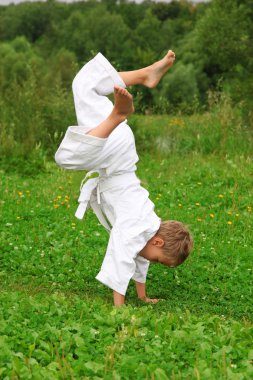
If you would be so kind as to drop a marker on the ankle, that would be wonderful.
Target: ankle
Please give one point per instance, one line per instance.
(117, 116)
(143, 75)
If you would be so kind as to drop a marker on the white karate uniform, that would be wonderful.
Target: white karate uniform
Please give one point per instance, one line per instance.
(117, 191)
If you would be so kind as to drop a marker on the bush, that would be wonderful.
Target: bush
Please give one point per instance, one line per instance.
(179, 89)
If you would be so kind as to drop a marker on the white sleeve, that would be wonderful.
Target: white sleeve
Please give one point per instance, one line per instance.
(80, 151)
(125, 242)
(141, 269)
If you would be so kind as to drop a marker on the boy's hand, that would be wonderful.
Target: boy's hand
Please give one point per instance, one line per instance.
(141, 292)
(149, 300)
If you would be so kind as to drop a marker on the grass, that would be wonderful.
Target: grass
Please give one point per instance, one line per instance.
(58, 322)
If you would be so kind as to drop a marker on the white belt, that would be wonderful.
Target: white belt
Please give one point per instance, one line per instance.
(91, 188)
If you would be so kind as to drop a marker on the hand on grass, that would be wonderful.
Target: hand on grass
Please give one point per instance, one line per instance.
(141, 292)
(150, 300)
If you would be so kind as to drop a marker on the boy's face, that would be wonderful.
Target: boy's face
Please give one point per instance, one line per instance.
(166, 261)
(153, 251)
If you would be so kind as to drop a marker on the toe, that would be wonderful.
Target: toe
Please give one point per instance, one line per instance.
(117, 89)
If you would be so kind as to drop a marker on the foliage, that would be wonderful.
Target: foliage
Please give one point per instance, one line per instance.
(53, 336)
(40, 56)
(220, 131)
(219, 33)
(57, 321)
(180, 88)
(223, 39)
(34, 104)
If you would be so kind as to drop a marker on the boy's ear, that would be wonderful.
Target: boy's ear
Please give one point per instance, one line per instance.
(157, 241)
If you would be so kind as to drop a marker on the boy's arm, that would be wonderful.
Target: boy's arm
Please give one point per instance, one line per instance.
(118, 298)
(141, 292)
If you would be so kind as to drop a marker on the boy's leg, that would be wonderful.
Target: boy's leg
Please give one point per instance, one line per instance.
(90, 87)
(98, 79)
(123, 106)
(149, 76)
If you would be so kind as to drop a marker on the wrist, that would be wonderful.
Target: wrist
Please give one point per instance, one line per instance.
(141, 290)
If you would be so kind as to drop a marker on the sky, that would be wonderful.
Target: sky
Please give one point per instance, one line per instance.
(6, 2)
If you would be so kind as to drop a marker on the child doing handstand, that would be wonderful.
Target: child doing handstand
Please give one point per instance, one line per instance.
(104, 143)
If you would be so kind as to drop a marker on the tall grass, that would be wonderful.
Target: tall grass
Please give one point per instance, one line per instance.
(220, 130)
(35, 114)
(30, 122)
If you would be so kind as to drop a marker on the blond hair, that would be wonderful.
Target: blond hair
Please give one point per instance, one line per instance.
(178, 241)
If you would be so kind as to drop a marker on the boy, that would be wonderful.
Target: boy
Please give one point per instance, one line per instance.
(104, 143)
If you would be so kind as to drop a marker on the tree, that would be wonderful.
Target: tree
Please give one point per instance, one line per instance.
(179, 86)
(74, 35)
(223, 37)
(29, 20)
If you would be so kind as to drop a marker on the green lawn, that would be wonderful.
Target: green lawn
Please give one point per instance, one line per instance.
(58, 322)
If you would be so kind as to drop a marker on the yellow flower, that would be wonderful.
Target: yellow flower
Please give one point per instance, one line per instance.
(179, 205)
(237, 214)
(199, 219)
(18, 217)
(56, 206)
(229, 222)
(229, 212)
(212, 215)
(59, 197)
(197, 204)
(249, 209)
(20, 193)
(176, 121)
(221, 196)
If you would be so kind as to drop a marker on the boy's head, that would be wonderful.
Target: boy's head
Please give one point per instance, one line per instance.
(178, 241)
(171, 245)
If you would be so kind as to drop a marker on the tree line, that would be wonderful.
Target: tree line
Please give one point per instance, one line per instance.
(43, 44)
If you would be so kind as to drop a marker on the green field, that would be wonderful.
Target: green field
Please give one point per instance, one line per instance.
(58, 322)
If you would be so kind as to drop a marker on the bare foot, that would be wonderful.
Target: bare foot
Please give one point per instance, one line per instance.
(155, 72)
(123, 102)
